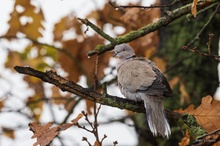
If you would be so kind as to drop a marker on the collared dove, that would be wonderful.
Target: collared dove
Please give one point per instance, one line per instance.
(140, 79)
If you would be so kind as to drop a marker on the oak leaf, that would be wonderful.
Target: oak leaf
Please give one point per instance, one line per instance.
(45, 134)
(32, 26)
(66, 23)
(207, 114)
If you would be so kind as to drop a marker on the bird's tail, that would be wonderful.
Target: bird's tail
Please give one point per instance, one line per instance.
(156, 117)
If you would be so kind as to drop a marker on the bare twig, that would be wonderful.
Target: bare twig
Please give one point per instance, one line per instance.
(204, 26)
(209, 42)
(85, 139)
(97, 29)
(209, 54)
(115, 143)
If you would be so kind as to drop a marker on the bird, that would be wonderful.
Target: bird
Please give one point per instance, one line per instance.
(139, 79)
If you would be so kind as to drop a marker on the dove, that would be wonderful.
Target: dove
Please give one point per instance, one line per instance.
(139, 79)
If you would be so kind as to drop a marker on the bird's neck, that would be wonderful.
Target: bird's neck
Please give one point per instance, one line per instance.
(133, 56)
(123, 60)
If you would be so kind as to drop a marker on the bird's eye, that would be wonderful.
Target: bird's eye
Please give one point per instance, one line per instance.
(123, 50)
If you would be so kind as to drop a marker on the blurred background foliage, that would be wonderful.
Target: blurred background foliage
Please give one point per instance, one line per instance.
(191, 76)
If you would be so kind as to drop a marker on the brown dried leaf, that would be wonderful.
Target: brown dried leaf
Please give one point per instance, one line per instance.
(193, 9)
(66, 23)
(207, 114)
(45, 134)
(136, 18)
(78, 64)
(147, 45)
(8, 132)
(74, 121)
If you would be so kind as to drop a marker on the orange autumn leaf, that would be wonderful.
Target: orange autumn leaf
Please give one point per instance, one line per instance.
(193, 9)
(207, 114)
(32, 27)
(185, 140)
(77, 63)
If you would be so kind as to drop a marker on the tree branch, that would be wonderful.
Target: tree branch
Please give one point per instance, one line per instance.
(163, 21)
(97, 29)
(104, 99)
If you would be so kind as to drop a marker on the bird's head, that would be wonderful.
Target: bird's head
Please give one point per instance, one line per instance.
(124, 51)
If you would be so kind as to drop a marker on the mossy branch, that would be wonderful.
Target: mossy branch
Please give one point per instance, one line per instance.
(161, 22)
(87, 93)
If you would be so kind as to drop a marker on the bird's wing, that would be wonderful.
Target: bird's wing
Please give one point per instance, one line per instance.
(140, 75)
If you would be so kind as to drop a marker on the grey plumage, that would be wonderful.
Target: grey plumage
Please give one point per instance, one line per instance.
(140, 79)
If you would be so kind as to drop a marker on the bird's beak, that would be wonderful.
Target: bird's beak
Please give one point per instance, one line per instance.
(115, 54)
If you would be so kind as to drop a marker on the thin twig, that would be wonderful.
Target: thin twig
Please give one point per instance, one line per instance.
(97, 29)
(204, 26)
(142, 7)
(96, 112)
(209, 42)
(85, 139)
(71, 110)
